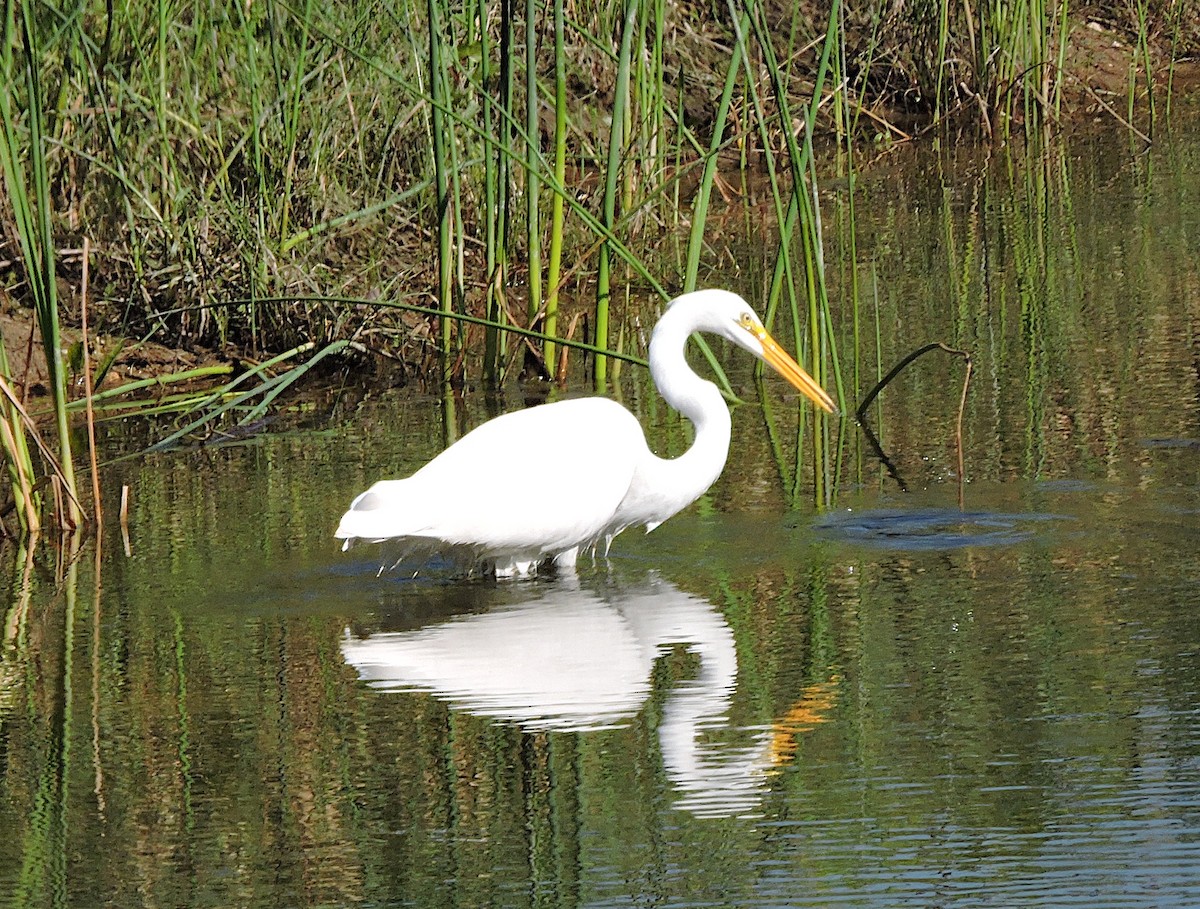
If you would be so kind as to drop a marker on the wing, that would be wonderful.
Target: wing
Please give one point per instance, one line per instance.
(531, 483)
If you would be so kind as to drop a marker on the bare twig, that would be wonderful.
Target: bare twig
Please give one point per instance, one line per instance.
(861, 413)
(560, 375)
(124, 518)
(1125, 123)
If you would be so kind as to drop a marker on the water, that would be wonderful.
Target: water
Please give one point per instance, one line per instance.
(899, 702)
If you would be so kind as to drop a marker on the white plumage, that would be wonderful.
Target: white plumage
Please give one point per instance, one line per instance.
(551, 481)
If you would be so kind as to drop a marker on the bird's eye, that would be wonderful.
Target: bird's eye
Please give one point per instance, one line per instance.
(747, 320)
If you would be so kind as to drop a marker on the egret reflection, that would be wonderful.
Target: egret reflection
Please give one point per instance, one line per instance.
(578, 659)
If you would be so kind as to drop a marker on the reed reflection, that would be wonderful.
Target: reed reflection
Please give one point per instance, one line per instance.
(577, 657)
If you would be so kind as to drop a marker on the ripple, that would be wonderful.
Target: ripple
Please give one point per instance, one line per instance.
(1171, 443)
(932, 528)
(1065, 485)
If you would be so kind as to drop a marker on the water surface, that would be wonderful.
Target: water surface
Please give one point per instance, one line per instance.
(986, 695)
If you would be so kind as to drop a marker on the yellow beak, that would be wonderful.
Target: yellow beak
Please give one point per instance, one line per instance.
(779, 360)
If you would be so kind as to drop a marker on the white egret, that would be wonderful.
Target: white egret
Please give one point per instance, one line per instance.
(548, 482)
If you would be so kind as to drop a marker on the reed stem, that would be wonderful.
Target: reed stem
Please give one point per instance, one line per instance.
(533, 228)
(441, 183)
(711, 161)
(554, 272)
(611, 181)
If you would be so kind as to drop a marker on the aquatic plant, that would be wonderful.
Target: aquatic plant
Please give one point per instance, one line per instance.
(243, 171)
(27, 181)
(258, 148)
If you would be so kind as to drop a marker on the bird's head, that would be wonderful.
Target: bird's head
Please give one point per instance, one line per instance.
(723, 313)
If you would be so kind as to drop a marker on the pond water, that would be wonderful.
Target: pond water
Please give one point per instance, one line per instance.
(975, 695)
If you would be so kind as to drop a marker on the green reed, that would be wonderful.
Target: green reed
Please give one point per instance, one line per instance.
(1175, 27)
(802, 221)
(533, 237)
(31, 205)
(695, 246)
(295, 116)
(441, 165)
(611, 179)
(493, 351)
(557, 214)
(1142, 13)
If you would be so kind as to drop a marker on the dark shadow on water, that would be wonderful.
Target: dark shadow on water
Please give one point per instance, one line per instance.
(1192, 444)
(1066, 485)
(920, 529)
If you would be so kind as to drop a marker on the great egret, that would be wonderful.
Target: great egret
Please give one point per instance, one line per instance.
(542, 484)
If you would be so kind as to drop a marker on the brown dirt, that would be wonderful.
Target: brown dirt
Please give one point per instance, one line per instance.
(136, 360)
(1098, 63)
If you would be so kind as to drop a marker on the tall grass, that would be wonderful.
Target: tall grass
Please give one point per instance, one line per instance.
(611, 179)
(441, 170)
(311, 152)
(557, 208)
(533, 183)
(207, 151)
(300, 113)
(30, 203)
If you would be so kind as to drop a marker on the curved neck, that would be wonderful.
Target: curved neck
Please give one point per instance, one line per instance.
(697, 399)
